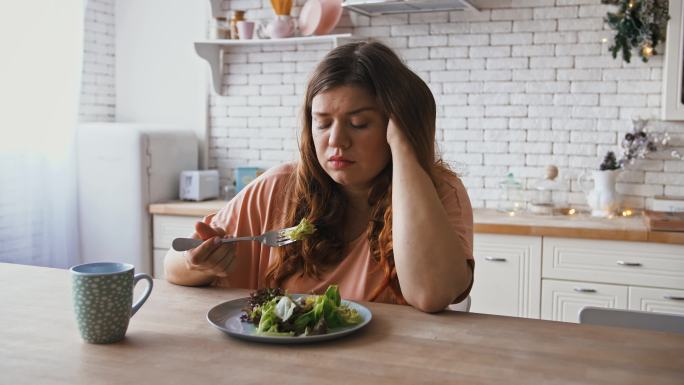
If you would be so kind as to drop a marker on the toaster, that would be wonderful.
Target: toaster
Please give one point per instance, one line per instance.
(198, 185)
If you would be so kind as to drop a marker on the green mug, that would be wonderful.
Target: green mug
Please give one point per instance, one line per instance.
(103, 294)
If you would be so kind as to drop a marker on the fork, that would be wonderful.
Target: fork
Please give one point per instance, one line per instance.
(273, 238)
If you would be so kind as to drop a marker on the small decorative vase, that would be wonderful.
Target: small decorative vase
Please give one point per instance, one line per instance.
(603, 199)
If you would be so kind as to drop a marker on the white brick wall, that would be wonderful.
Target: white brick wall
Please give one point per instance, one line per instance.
(98, 96)
(517, 89)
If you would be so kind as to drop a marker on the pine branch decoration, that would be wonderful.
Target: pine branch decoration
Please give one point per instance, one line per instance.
(639, 24)
(609, 162)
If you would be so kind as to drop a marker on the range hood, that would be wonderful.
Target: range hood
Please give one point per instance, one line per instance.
(384, 7)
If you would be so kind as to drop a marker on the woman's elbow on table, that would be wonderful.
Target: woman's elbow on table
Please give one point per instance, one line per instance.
(177, 272)
(433, 300)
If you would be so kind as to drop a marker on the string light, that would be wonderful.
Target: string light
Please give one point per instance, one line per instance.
(627, 213)
(647, 50)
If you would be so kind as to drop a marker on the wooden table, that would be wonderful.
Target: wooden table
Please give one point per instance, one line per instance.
(170, 342)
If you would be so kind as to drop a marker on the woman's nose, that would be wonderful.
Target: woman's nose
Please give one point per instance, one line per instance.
(339, 137)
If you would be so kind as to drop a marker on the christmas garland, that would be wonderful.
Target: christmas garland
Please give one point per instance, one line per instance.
(640, 24)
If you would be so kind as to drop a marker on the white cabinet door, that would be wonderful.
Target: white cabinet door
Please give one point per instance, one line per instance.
(158, 263)
(168, 227)
(563, 300)
(507, 275)
(656, 300)
(165, 228)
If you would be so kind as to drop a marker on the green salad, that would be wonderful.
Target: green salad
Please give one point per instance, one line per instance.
(276, 313)
(301, 231)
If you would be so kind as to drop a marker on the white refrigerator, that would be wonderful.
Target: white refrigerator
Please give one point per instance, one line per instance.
(122, 169)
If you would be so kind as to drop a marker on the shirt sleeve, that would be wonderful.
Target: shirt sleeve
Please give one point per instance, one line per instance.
(251, 212)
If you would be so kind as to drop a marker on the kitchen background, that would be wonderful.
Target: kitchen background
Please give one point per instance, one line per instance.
(520, 85)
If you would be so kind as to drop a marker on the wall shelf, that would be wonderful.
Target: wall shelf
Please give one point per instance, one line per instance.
(212, 50)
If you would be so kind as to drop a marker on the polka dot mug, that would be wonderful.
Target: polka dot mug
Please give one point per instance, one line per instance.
(103, 294)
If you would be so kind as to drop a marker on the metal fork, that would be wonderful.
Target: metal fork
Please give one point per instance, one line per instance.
(273, 238)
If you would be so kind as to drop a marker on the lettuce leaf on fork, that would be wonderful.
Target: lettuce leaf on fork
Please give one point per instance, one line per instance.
(301, 231)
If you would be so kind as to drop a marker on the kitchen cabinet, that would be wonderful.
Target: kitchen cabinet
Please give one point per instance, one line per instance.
(165, 229)
(616, 274)
(563, 300)
(673, 70)
(507, 275)
(656, 300)
(628, 263)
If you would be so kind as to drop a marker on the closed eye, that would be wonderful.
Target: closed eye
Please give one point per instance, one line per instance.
(322, 125)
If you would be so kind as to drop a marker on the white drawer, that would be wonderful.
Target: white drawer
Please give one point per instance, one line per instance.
(168, 227)
(563, 300)
(656, 300)
(621, 262)
(507, 275)
(158, 263)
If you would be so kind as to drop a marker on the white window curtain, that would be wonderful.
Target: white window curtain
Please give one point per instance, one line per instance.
(40, 79)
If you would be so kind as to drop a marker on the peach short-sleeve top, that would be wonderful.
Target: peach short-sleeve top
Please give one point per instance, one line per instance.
(259, 208)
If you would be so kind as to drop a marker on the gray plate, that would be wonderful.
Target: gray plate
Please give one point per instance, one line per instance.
(226, 317)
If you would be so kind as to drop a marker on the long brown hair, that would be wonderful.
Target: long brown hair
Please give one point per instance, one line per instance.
(312, 194)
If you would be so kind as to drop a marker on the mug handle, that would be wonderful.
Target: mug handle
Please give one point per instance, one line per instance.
(581, 180)
(145, 295)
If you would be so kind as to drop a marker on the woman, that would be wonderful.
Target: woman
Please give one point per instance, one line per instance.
(392, 224)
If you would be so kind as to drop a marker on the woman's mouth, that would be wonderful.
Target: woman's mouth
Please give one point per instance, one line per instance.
(339, 162)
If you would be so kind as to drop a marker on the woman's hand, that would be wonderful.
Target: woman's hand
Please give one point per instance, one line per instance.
(398, 142)
(395, 135)
(212, 256)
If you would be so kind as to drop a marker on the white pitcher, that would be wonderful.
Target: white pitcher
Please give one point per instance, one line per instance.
(603, 199)
(281, 26)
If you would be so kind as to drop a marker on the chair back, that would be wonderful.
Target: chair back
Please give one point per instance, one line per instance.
(632, 319)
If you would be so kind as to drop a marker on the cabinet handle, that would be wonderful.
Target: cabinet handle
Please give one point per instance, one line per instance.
(584, 290)
(674, 297)
(495, 259)
(630, 264)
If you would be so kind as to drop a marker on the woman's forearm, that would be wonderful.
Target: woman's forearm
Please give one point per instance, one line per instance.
(177, 271)
(430, 261)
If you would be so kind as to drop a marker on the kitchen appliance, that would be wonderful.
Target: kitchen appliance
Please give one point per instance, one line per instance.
(122, 168)
(384, 7)
(198, 185)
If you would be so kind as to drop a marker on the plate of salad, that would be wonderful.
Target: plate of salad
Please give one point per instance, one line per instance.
(274, 316)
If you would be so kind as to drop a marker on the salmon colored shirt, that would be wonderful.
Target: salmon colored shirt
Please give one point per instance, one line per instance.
(258, 208)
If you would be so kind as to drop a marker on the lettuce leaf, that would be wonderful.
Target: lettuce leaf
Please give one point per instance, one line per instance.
(301, 231)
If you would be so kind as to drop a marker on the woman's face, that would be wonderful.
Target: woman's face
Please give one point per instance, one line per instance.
(349, 133)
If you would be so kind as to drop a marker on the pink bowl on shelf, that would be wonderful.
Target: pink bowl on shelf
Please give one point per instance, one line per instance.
(319, 17)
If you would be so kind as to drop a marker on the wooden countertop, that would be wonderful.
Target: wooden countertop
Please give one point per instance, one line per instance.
(170, 342)
(491, 221)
